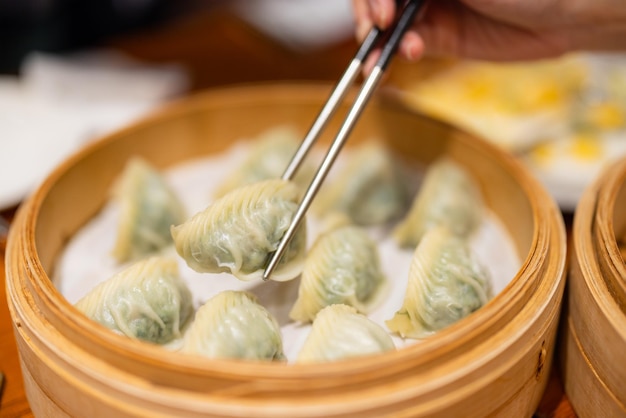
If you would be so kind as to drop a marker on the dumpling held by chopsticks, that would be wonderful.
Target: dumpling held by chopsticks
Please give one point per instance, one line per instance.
(237, 233)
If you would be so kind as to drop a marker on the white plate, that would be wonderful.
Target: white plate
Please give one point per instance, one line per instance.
(564, 118)
(37, 134)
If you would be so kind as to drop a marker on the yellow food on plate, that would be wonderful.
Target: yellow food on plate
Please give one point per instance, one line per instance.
(564, 117)
(513, 104)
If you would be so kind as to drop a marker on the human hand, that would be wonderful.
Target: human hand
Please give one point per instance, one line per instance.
(501, 30)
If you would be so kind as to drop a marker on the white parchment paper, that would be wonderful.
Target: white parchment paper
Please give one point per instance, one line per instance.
(87, 261)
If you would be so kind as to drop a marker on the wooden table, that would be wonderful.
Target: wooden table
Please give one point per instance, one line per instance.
(13, 402)
(217, 49)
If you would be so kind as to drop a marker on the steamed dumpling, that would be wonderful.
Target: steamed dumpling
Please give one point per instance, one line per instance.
(343, 266)
(233, 324)
(268, 158)
(371, 188)
(237, 233)
(147, 300)
(446, 283)
(449, 196)
(340, 332)
(148, 208)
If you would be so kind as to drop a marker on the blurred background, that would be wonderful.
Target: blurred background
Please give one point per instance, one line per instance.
(71, 71)
(60, 26)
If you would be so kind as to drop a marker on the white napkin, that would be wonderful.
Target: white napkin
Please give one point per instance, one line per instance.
(59, 103)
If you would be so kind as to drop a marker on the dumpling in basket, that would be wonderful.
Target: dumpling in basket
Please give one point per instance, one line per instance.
(148, 208)
(233, 324)
(268, 158)
(371, 188)
(236, 233)
(446, 283)
(148, 301)
(340, 332)
(343, 266)
(449, 196)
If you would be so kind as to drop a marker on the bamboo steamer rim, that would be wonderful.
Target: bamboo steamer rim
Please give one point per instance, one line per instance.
(595, 325)
(595, 243)
(546, 236)
(613, 185)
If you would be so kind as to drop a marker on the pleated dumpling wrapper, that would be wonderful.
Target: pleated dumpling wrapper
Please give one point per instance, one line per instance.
(449, 195)
(232, 324)
(446, 283)
(371, 188)
(236, 233)
(343, 266)
(148, 208)
(148, 301)
(340, 332)
(268, 158)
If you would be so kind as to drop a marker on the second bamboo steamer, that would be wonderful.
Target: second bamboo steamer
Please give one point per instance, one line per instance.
(594, 323)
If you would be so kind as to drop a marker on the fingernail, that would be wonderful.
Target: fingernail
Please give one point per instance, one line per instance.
(411, 51)
(411, 46)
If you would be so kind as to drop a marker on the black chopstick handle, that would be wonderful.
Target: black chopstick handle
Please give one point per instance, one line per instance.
(368, 43)
(404, 21)
(373, 36)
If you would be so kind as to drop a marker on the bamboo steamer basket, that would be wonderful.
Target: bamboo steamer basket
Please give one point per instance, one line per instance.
(495, 362)
(594, 326)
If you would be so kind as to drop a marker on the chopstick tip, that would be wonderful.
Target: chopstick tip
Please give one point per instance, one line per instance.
(269, 268)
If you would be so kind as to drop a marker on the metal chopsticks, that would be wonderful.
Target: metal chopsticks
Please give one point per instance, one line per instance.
(393, 36)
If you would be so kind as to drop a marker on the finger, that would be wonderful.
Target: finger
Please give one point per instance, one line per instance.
(382, 12)
(411, 46)
(441, 28)
(363, 20)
